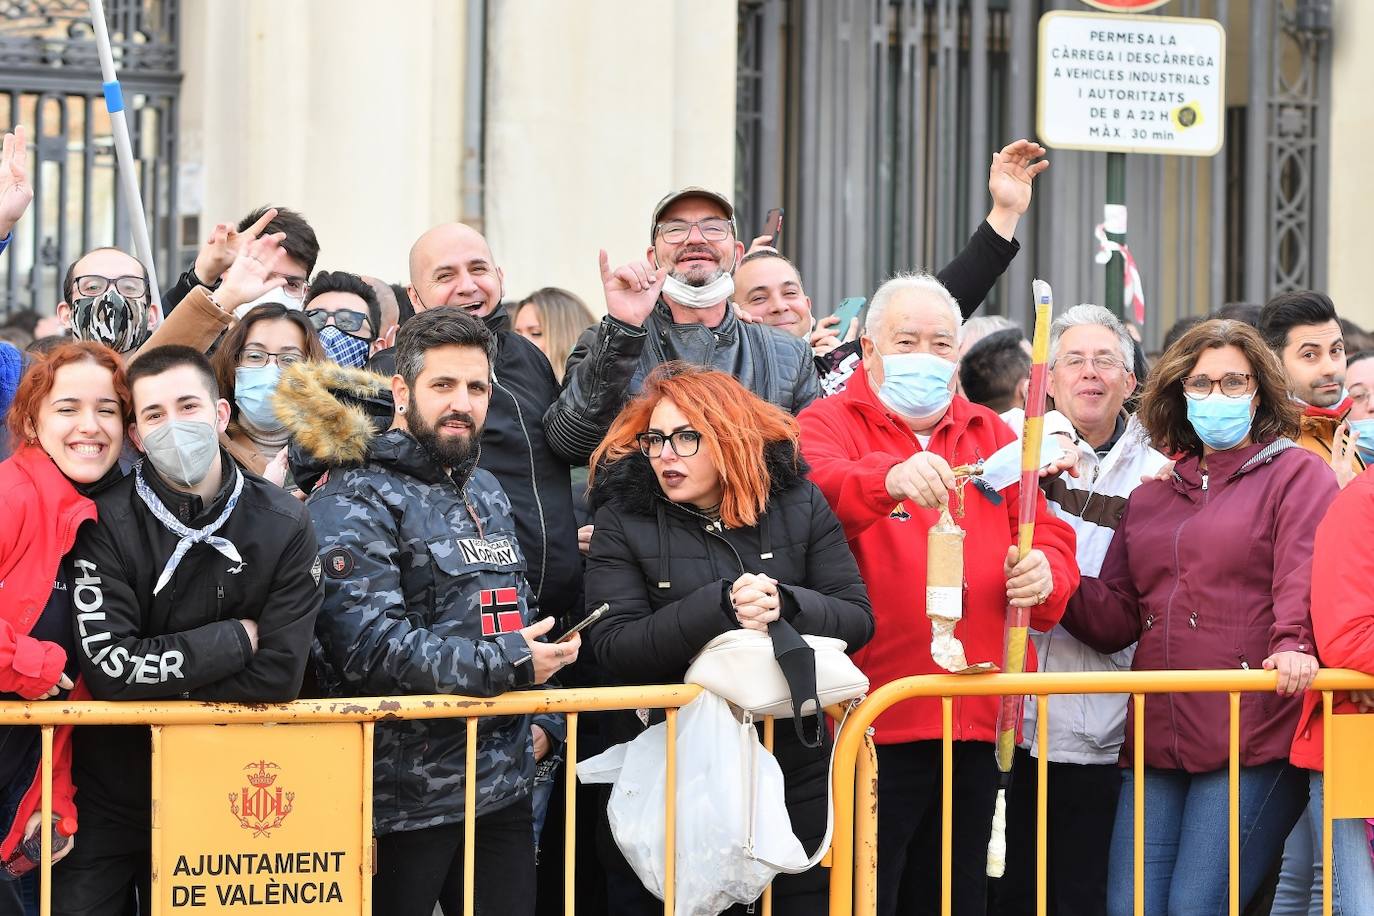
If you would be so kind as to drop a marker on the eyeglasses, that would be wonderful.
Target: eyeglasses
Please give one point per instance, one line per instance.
(1075, 362)
(345, 320)
(713, 229)
(1232, 384)
(294, 285)
(685, 443)
(256, 359)
(95, 285)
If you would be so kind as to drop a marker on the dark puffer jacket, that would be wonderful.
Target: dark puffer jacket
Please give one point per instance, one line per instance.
(652, 631)
(424, 592)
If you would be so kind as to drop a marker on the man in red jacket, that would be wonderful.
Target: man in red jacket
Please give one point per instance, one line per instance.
(882, 452)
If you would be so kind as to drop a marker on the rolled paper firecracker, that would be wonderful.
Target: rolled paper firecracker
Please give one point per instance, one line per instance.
(1018, 619)
(945, 590)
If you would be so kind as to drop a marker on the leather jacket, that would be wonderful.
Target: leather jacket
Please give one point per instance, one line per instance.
(610, 362)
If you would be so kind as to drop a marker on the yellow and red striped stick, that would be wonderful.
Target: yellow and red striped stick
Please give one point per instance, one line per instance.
(1018, 618)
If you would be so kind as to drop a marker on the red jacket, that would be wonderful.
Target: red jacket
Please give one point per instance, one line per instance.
(1342, 606)
(1212, 574)
(851, 441)
(40, 512)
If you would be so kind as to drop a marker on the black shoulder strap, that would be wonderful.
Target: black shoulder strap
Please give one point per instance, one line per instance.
(798, 663)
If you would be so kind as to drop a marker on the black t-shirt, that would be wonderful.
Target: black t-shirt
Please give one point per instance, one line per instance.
(19, 743)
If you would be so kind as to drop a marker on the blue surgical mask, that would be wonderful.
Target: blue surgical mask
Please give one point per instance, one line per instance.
(1365, 444)
(1219, 421)
(253, 390)
(343, 348)
(916, 385)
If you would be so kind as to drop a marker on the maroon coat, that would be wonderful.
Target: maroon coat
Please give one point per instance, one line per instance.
(1212, 572)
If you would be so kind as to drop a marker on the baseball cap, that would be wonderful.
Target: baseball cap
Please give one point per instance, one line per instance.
(691, 191)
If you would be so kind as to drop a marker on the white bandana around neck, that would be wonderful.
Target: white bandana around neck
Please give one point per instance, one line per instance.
(189, 536)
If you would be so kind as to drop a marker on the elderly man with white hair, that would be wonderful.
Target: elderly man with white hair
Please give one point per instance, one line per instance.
(1091, 359)
(882, 451)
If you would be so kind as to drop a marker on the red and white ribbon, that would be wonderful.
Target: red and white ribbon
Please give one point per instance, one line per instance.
(1132, 291)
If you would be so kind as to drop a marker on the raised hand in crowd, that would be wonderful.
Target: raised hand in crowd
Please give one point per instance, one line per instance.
(760, 243)
(1343, 455)
(222, 247)
(252, 273)
(1010, 176)
(549, 657)
(1296, 671)
(755, 600)
(826, 337)
(925, 478)
(631, 290)
(1029, 581)
(15, 191)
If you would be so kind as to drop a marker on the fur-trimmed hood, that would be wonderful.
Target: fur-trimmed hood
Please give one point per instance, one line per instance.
(631, 486)
(333, 412)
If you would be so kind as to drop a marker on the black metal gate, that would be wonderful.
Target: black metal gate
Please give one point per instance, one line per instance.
(50, 82)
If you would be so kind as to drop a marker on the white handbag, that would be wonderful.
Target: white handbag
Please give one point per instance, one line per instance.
(746, 667)
(789, 676)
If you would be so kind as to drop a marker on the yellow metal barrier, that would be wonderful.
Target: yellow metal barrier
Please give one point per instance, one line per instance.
(853, 856)
(854, 861)
(366, 712)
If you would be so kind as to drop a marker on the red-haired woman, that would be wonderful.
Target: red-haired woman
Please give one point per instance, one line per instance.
(67, 424)
(705, 523)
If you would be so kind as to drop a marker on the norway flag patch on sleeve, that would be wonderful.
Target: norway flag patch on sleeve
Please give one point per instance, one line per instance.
(500, 611)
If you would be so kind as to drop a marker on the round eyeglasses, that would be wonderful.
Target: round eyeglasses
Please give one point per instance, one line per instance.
(1232, 384)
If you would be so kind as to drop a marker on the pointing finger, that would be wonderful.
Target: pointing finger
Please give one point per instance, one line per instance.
(255, 230)
(605, 264)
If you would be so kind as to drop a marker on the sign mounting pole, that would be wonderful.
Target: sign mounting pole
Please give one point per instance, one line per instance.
(1116, 195)
(1122, 84)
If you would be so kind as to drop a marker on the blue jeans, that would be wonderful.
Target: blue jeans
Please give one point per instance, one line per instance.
(1300, 880)
(1187, 836)
(1352, 869)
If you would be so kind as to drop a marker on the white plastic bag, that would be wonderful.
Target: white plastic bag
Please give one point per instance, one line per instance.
(715, 756)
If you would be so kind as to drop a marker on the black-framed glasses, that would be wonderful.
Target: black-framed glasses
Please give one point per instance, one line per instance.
(685, 443)
(1232, 384)
(1075, 362)
(345, 320)
(256, 359)
(93, 285)
(713, 229)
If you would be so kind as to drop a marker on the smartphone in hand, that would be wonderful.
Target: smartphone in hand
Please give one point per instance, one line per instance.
(585, 622)
(772, 225)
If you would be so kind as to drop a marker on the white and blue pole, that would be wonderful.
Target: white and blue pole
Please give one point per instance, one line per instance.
(124, 152)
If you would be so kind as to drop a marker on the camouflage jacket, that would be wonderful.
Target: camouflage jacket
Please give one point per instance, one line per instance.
(424, 592)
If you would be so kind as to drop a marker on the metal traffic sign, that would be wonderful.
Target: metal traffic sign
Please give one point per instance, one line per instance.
(1131, 84)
